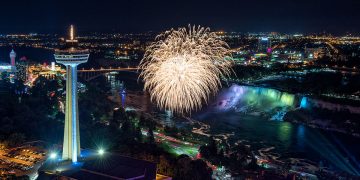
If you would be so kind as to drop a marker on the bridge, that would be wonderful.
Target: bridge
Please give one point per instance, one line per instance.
(90, 74)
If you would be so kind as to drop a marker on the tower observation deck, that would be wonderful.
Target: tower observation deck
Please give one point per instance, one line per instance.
(71, 57)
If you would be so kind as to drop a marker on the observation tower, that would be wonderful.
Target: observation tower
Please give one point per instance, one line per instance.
(12, 58)
(71, 57)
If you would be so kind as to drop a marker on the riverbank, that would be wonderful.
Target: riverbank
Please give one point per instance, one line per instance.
(341, 122)
(329, 113)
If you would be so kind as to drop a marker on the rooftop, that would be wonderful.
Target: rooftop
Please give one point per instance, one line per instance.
(105, 166)
(72, 50)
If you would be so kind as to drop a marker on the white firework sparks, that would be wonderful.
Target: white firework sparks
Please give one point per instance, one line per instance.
(183, 68)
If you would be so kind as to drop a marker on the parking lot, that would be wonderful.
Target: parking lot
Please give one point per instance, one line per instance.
(20, 161)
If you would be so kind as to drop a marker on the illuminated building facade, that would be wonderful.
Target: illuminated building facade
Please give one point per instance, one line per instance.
(22, 69)
(71, 57)
(315, 53)
(264, 45)
(5, 68)
(9, 69)
(12, 58)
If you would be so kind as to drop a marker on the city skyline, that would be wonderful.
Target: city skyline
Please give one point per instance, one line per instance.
(180, 89)
(142, 16)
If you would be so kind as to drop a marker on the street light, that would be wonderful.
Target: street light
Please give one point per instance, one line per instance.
(53, 155)
(101, 151)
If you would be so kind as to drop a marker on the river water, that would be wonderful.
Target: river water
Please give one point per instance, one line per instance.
(253, 115)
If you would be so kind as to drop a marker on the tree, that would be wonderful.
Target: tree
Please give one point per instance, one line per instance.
(171, 131)
(191, 169)
(151, 138)
(204, 151)
(138, 134)
(212, 147)
(165, 166)
(209, 151)
(221, 152)
(119, 116)
(200, 170)
(182, 167)
(3, 75)
(7, 125)
(16, 139)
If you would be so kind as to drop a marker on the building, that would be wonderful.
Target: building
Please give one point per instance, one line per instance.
(22, 69)
(264, 45)
(9, 69)
(71, 57)
(12, 58)
(315, 51)
(4, 67)
(96, 165)
(287, 56)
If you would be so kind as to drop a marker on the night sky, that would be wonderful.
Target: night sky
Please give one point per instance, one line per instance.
(289, 16)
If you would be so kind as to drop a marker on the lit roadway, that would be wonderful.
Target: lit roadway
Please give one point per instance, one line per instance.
(179, 147)
(109, 69)
(174, 145)
(49, 71)
(92, 73)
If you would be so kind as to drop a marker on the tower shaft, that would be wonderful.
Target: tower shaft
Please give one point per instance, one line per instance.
(71, 57)
(12, 61)
(71, 146)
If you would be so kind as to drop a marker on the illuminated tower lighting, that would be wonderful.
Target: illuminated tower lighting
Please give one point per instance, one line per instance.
(12, 57)
(71, 57)
(52, 66)
(71, 32)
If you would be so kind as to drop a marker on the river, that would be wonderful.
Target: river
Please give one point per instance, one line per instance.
(253, 115)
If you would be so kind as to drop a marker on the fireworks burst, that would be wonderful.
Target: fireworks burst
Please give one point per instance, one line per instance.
(183, 68)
